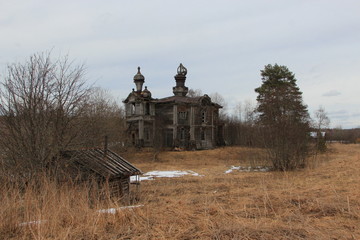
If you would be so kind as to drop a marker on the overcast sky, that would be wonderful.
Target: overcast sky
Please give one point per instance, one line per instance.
(224, 44)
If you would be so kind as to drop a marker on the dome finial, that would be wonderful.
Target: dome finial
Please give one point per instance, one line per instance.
(181, 70)
(180, 89)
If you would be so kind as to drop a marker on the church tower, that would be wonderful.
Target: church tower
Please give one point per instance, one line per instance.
(180, 77)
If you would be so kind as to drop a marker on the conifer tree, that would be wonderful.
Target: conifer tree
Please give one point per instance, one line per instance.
(283, 118)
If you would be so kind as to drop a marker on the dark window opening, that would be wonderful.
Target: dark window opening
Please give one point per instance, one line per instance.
(203, 117)
(147, 134)
(147, 109)
(202, 135)
(183, 115)
(168, 140)
(182, 134)
(133, 139)
(132, 106)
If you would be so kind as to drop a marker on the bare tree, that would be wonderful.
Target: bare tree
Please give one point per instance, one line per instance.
(217, 98)
(320, 123)
(41, 101)
(240, 127)
(102, 116)
(194, 93)
(321, 120)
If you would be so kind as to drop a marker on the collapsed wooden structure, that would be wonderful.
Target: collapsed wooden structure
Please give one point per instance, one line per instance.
(104, 166)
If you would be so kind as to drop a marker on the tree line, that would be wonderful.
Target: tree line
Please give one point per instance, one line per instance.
(47, 106)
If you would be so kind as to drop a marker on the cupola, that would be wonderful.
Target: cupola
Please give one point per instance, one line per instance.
(146, 93)
(180, 89)
(139, 80)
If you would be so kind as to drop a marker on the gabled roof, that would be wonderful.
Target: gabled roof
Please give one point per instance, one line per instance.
(105, 163)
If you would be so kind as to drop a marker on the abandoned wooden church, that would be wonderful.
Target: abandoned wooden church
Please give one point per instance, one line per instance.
(178, 121)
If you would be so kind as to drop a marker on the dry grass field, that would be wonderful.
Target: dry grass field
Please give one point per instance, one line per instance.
(319, 202)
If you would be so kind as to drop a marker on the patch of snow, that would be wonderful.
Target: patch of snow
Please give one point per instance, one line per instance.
(114, 210)
(232, 169)
(161, 174)
(140, 178)
(32, 223)
(194, 173)
(169, 174)
(248, 169)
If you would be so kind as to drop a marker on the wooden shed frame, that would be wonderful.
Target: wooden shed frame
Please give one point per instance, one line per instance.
(105, 166)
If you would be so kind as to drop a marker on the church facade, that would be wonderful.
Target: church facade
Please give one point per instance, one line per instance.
(177, 121)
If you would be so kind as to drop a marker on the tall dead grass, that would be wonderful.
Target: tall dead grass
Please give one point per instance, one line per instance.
(322, 202)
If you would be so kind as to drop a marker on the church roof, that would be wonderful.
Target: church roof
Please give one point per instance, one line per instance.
(184, 99)
(178, 99)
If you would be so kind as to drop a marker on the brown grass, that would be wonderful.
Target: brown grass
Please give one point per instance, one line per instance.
(320, 202)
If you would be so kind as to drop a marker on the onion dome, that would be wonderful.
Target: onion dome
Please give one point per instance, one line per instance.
(139, 76)
(139, 80)
(146, 93)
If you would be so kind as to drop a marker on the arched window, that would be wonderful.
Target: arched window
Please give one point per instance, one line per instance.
(132, 107)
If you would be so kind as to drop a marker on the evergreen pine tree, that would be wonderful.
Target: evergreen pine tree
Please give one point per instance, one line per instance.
(283, 118)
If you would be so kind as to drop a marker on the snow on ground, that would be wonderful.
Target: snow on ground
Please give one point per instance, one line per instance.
(248, 169)
(161, 174)
(32, 223)
(170, 174)
(110, 210)
(114, 210)
(138, 178)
